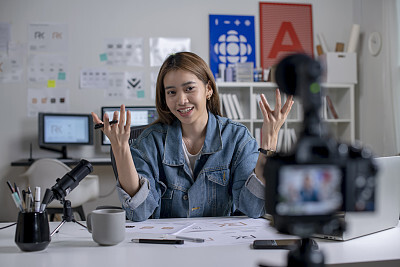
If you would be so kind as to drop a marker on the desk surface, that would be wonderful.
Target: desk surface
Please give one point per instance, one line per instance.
(69, 162)
(74, 246)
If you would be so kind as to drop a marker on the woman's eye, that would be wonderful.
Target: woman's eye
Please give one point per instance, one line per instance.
(170, 92)
(190, 88)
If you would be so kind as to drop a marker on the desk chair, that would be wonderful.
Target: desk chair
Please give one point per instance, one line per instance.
(44, 172)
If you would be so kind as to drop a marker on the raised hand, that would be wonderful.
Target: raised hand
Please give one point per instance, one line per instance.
(118, 133)
(273, 119)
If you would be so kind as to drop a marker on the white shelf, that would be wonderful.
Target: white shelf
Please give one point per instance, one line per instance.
(342, 96)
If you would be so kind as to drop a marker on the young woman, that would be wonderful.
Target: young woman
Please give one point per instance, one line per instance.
(192, 162)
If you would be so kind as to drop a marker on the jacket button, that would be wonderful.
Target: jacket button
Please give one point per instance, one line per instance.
(185, 197)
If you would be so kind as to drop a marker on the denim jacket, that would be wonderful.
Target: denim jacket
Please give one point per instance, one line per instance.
(223, 176)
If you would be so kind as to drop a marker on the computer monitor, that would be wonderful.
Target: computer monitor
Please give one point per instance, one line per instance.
(64, 129)
(139, 116)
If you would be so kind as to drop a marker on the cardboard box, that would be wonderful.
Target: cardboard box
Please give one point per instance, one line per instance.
(339, 67)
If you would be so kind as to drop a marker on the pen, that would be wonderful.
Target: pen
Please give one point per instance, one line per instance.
(101, 125)
(10, 186)
(158, 241)
(28, 200)
(191, 239)
(19, 195)
(16, 189)
(15, 197)
(37, 199)
(17, 201)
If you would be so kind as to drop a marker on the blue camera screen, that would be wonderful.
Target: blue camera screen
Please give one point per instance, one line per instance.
(309, 190)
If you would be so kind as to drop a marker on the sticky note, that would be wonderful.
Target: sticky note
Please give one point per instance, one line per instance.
(140, 94)
(61, 76)
(51, 83)
(103, 57)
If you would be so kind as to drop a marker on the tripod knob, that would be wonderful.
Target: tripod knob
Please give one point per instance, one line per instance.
(68, 216)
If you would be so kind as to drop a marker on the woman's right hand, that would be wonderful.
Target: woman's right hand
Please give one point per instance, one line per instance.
(118, 133)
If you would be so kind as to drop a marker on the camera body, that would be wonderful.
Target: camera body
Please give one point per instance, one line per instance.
(308, 186)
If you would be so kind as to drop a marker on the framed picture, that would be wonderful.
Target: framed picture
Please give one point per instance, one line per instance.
(284, 29)
(232, 40)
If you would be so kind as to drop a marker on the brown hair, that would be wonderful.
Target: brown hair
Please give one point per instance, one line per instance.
(191, 62)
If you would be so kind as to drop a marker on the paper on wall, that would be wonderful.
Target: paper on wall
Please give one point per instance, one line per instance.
(153, 84)
(5, 36)
(125, 85)
(161, 48)
(11, 64)
(94, 78)
(44, 67)
(45, 37)
(124, 51)
(47, 100)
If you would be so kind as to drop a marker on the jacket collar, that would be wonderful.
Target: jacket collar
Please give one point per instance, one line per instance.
(173, 152)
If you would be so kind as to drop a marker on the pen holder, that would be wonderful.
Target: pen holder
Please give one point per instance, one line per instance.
(33, 232)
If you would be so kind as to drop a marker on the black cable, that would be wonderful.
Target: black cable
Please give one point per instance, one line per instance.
(1, 228)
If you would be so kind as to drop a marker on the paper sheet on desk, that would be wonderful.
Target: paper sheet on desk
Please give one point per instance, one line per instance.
(215, 231)
(158, 227)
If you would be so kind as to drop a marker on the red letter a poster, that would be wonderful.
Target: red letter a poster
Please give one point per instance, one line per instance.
(284, 29)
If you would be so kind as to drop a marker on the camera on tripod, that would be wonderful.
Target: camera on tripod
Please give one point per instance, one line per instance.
(308, 186)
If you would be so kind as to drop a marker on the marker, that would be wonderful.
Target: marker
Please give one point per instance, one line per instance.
(158, 241)
(47, 198)
(37, 199)
(101, 125)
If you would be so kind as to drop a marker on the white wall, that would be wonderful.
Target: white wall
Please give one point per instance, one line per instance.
(375, 121)
(89, 23)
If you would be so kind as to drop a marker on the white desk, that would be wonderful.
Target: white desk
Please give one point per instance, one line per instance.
(73, 246)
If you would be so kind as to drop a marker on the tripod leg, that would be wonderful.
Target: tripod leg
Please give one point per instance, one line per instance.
(58, 227)
(75, 221)
(305, 256)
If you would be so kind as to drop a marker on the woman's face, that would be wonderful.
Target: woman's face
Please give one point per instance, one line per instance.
(186, 96)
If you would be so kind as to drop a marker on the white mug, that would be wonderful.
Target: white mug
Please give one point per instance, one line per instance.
(107, 226)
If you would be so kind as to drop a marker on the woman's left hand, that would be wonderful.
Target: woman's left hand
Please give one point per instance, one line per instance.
(273, 119)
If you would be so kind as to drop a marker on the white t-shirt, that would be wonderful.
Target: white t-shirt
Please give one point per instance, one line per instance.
(190, 159)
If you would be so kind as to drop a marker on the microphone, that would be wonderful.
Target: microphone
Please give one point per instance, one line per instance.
(67, 183)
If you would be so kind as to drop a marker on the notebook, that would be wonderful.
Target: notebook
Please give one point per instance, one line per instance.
(387, 201)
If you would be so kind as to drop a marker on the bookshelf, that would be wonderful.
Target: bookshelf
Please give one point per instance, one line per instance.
(341, 95)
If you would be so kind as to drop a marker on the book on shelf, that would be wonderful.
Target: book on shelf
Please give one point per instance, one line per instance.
(293, 136)
(221, 104)
(257, 136)
(232, 106)
(331, 107)
(256, 98)
(237, 106)
(227, 108)
(287, 138)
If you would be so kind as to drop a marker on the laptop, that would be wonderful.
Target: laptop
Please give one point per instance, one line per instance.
(387, 200)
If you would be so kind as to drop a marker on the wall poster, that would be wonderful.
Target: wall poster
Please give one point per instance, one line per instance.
(284, 29)
(232, 40)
